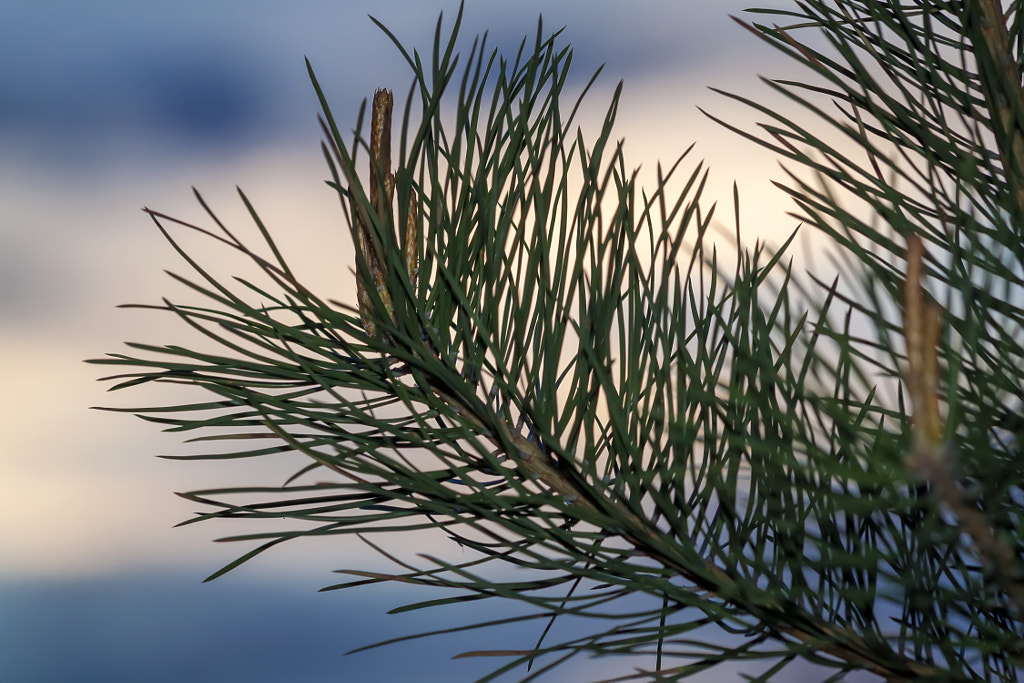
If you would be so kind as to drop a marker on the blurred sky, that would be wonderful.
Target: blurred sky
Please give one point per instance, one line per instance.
(107, 106)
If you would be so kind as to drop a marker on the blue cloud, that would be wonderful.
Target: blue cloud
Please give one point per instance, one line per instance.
(205, 98)
(88, 100)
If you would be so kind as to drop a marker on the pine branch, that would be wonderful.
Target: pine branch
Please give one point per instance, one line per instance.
(1000, 77)
(560, 372)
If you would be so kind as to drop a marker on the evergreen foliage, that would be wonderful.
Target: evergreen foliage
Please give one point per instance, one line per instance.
(557, 369)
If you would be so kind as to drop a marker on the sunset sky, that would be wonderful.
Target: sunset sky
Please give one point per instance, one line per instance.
(106, 107)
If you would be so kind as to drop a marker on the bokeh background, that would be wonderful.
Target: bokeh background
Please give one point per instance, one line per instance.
(109, 106)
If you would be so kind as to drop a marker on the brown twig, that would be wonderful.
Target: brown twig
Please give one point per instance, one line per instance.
(382, 189)
(931, 459)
